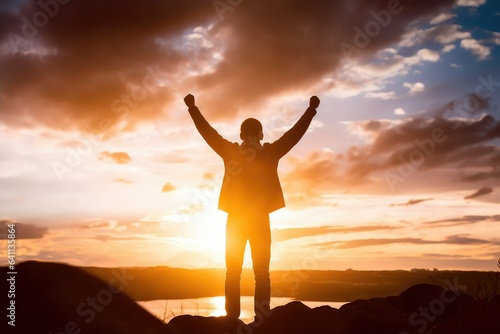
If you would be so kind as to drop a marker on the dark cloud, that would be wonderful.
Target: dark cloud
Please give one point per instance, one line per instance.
(287, 45)
(481, 176)
(465, 220)
(117, 157)
(95, 63)
(95, 53)
(439, 140)
(455, 147)
(426, 144)
(481, 192)
(452, 240)
(279, 235)
(413, 202)
(23, 231)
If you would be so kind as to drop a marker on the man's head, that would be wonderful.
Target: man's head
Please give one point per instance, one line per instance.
(251, 129)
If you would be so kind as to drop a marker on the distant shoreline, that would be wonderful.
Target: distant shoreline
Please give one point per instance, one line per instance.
(310, 285)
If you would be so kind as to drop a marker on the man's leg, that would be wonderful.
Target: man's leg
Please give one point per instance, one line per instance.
(235, 250)
(260, 244)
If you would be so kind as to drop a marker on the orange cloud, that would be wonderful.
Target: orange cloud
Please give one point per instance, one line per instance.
(122, 180)
(481, 192)
(117, 157)
(168, 187)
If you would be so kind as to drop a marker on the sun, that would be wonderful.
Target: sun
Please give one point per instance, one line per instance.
(210, 234)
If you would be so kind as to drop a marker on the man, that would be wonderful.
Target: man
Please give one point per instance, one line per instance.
(250, 191)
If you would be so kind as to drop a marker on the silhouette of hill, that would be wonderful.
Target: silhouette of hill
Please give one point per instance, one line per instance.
(58, 298)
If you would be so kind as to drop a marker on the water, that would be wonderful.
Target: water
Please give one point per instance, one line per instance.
(213, 307)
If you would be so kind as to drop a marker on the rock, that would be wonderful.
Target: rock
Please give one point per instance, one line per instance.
(376, 315)
(58, 298)
(295, 317)
(189, 324)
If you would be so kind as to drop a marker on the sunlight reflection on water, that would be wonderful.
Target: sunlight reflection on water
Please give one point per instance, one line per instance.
(213, 307)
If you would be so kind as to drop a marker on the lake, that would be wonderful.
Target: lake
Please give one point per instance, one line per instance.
(214, 307)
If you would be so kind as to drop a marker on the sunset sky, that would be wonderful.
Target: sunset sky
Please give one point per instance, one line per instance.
(100, 163)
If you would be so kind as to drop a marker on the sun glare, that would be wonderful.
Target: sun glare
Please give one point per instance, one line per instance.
(218, 306)
(211, 233)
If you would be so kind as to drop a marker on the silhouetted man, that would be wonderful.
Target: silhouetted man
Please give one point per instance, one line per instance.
(250, 191)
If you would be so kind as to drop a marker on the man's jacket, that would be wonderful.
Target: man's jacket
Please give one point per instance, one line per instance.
(251, 182)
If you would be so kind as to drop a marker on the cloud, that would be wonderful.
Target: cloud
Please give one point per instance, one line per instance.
(94, 70)
(452, 140)
(107, 237)
(481, 192)
(117, 157)
(374, 77)
(481, 176)
(208, 176)
(23, 231)
(414, 87)
(463, 141)
(168, 187)
(465, 220)
(451, 240)
(496, 37)
(81, 75)
(412, 202)
(442, 18)
(311, 174)
(441, 34)
(471, 3)
(103, 224)
(399, 111)
(478, 49)
(381, 95)
(307, 28)
(122, 180)
(448, 48)
(280, 235)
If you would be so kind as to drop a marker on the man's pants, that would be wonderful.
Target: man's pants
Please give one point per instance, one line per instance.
(255, 229)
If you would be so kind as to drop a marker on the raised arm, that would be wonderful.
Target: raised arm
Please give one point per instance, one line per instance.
(292, 136)
(211, 136)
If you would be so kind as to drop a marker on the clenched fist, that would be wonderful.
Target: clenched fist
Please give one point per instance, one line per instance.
(189, 100)
(314, 102)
